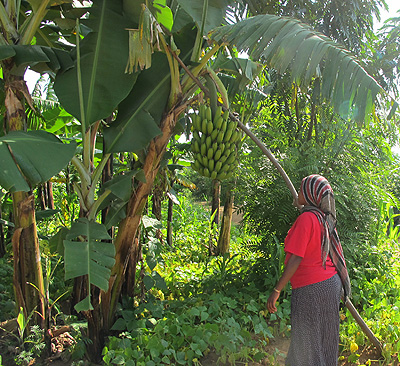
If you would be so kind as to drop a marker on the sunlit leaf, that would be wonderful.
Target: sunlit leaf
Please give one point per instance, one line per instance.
(288, 45)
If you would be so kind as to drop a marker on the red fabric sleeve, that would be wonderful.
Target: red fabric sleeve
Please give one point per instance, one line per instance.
(300, 234)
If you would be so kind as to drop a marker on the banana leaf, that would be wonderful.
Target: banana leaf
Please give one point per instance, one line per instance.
(288, 45)
(30, 158)
(89, 255)
(103, 58)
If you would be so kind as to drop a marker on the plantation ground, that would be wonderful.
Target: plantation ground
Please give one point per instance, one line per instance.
(277, 349)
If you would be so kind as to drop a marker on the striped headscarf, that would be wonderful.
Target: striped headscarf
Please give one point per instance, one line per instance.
(319, 196)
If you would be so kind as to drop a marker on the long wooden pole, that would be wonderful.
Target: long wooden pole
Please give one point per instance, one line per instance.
(274, 161)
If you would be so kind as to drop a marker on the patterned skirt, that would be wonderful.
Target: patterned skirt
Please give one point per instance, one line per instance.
(315, 324)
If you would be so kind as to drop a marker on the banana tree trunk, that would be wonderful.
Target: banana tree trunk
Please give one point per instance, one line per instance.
(215, 203)
(2, 242)
(169, 221)
(225, 232)
(28, 276)
(104, 312)
(50, 196)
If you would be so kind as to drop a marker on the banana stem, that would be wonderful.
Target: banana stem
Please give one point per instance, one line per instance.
(7, 24)
(186, 84)
(34, 23)
(175, 85)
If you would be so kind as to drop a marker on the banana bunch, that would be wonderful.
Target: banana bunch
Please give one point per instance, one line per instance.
(214, 144)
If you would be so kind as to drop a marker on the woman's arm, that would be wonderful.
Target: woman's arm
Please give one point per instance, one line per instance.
(291, 267)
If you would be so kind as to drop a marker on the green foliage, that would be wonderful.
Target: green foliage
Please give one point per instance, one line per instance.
(378, 294)
(287, 44)
(32, 348)
(181, 332)
(7, 305)
(89, 256)
(36, 157)
(210, 304)
(99, 73)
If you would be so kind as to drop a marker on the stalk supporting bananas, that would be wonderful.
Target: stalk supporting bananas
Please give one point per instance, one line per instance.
(215, 143)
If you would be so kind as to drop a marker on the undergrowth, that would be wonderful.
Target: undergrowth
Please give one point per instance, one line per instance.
(219, 303)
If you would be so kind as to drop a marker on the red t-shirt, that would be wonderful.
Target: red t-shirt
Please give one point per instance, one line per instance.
(304, 240)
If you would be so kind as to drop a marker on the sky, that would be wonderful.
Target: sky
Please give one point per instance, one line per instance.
(393, 5)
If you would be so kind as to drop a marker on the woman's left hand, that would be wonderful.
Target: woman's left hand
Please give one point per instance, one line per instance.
(271, 302)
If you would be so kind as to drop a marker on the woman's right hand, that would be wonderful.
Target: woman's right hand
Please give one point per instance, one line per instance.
(271, 302)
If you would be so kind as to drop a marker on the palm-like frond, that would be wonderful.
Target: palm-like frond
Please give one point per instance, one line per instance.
(288, 45)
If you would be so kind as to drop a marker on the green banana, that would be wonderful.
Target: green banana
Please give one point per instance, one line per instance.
(231, 158)
(226, 167)
(214, 134)
(220, 136)
(208, 113)
(203, 149)
(204, 126)
(203, 113)
(221, 176)
(213, 175)
(228, 134)
(217, 154)
(210, 127)
(197, 165)
(196, 136)
(224, 125)
(218, 121)
(218, 113)
(210, 153)
(211, 165)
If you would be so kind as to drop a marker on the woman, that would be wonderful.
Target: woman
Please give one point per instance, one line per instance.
(317, 271)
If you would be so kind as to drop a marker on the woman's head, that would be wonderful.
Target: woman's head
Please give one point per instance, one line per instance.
(317, 192)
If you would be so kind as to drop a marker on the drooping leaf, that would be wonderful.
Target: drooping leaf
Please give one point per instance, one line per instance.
(139, 115)
(35, 4)
(115, 214)
(89, 256)
(288, 45)
(150, 222)
(104, 54)
(215, 12)
(27, 55)
(56, 119)
(56, 242)
(6, 51)
(163, 14)
(45, 214)
(31, 157)
(121, 185)
(57, 59)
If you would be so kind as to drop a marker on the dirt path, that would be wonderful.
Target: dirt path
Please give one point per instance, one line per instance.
(279, 347)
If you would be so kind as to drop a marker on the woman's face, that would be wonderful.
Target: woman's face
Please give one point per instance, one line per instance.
(301, 199)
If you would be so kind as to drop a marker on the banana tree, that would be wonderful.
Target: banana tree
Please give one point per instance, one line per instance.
(23, 25)
(120, 36)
